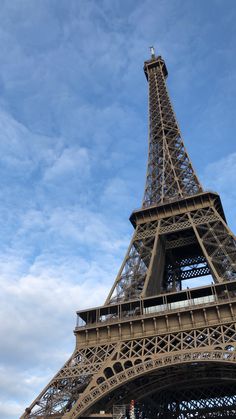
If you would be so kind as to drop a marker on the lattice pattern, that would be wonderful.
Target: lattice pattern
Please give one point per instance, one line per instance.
(138, 356)
(146, 230)
(133, 371)
(184, 268)
(219, 336)
(113, 364)
(119, 412)
(220, 245)
(217, 257)
(131, 278)
(204, 402)
(180, 242)
(182, 221)
(61, 393)
(170, 174)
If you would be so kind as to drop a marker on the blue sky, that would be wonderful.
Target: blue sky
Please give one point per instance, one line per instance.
(73, 147)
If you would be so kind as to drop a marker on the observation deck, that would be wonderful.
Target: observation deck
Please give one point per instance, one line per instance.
(155, 62)
(177, 206)
(191, 307)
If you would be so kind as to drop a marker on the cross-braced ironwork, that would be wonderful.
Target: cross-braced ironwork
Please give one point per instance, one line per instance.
(170, 174)
(171, 350)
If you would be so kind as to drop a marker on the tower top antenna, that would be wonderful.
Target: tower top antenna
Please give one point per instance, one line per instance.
(152, 49)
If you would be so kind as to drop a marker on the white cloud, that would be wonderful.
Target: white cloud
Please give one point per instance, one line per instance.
(41, 289)
(220, 176)
(119, 191)
(18, 383)
(37, 317)
(86, 228)
(10, 409)
(71, 162)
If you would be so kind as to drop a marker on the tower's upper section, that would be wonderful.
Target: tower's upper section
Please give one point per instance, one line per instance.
(170, 174)
(155, 62)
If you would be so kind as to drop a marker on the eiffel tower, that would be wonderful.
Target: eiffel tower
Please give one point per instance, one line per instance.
(168, 348)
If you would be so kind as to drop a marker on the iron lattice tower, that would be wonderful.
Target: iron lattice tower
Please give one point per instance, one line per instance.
(170, 349)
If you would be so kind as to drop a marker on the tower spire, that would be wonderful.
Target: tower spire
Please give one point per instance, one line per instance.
(170, 174)
(152, 49)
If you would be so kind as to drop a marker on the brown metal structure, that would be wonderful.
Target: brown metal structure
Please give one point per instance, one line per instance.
(171, 349)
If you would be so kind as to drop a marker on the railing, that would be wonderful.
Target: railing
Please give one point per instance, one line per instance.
(151, 310)
(163, 303)
(180, 304)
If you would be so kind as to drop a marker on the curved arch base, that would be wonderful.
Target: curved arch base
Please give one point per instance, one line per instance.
(108, 389)
(183, 391)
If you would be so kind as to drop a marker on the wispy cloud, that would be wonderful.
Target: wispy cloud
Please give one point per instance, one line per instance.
(220, 176)
(70, 163)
